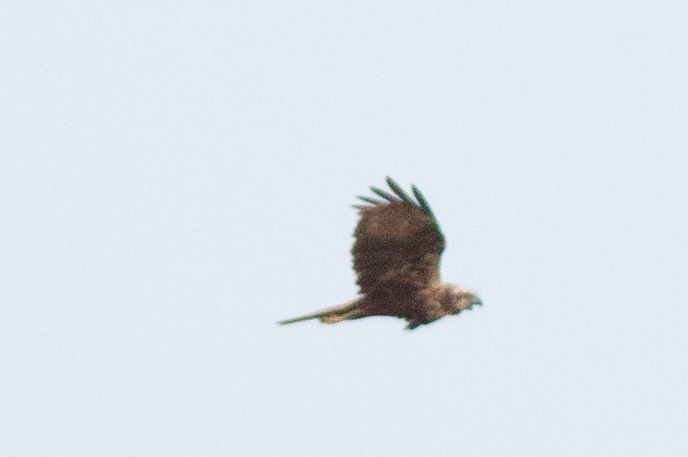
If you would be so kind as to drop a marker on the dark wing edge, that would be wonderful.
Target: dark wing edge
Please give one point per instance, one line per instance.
(387, 196)
(422, 202)
(400, 195)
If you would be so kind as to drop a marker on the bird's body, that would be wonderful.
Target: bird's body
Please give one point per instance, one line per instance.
(396, 255)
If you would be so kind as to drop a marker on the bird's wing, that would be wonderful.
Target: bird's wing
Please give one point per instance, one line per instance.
(397, 240)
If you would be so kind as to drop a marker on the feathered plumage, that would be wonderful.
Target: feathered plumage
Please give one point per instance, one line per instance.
(396, 254)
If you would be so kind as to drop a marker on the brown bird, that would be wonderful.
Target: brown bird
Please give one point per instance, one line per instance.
(396, 254)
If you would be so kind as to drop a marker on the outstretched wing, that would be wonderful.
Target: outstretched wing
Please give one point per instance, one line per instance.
(397, 240)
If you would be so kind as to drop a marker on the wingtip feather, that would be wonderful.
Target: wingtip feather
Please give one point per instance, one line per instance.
(386, 195)
(421, 200)
(372, 201)
(399, 191)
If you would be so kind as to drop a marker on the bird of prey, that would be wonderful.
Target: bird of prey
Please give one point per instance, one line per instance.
(396, 254)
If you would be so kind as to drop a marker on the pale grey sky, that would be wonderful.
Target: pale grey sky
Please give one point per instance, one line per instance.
(176, 177)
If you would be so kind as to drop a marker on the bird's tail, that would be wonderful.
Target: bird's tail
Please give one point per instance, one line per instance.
(351, 310)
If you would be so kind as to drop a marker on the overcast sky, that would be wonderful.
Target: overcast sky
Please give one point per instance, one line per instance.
(175, 177)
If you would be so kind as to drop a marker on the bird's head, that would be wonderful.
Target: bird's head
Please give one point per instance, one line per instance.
(464, 298)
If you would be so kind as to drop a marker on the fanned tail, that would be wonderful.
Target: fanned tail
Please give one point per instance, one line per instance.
(331, 315)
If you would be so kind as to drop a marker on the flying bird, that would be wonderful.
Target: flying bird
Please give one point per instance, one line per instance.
(396, 255)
